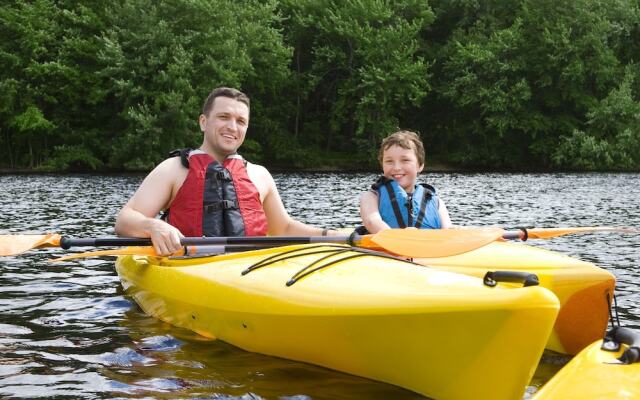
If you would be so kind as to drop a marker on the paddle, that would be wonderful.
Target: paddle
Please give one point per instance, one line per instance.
(409, 244)
(546, 233)
(404, 242)
(200, 251)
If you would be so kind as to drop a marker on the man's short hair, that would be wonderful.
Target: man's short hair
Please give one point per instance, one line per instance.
(224, 92)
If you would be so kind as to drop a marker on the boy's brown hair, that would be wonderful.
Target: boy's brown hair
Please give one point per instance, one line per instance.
(407, 140)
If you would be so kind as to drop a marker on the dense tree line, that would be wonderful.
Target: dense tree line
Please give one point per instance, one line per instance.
(522, 84)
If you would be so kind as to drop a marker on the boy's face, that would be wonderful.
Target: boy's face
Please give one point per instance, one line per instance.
(401, 165)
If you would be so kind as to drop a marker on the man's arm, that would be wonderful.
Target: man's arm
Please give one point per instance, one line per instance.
(137, 218)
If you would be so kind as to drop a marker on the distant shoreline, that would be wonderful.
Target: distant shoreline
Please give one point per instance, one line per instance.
(432, 167)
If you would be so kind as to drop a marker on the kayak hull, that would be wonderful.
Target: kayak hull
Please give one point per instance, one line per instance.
(584, 290)
(440, 334)
(594, 374)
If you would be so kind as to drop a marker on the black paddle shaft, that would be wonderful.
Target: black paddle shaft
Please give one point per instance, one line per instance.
(67, 243)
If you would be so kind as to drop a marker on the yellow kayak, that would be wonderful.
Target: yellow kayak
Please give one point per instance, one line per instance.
(440, 334)
(599, 374)
(584, 290)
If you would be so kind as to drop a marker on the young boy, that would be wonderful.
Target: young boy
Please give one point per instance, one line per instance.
(396, 200)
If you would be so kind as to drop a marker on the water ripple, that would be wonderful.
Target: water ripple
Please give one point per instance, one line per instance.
(66, 329)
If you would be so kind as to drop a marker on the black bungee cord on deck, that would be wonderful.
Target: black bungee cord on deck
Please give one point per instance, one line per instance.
(613, 306)
(334, 250)
(360, 253)
(285, 255)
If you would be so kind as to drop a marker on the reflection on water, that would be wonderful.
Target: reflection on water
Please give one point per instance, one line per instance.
(67, 330)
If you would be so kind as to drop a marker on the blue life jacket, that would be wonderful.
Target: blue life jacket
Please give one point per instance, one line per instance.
(400, 209)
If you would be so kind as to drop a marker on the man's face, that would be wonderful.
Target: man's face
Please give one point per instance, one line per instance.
(225, 127)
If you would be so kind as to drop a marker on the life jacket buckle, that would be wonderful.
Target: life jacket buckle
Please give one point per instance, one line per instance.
(223, 175)
(220, 205)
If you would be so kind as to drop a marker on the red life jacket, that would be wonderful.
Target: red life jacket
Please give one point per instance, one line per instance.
(217, 199)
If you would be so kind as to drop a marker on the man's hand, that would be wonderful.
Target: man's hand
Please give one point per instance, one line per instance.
(165, 237)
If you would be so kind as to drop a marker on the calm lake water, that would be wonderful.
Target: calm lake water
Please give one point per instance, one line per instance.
(68, 331)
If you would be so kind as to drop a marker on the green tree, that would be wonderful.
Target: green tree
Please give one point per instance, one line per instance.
(47, 84)
(162, 60)
(611, 138)
(524, 84)
(28, 32)
(88, 84)
(521, 76)
(358, 67)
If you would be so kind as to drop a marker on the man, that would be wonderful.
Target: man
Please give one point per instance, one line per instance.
(181, 186)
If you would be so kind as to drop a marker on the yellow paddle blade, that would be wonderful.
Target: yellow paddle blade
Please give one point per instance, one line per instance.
(433, 243)
(129, 251)
(545, 233)
(11, 245)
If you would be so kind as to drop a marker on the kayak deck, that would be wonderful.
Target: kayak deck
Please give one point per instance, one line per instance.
(585, 291)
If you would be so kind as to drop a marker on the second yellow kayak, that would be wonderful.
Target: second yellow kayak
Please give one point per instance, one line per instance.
(598, 374)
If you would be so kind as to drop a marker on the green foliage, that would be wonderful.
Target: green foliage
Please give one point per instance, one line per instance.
(31, 121)
(544, 84)
(72, 159)
(126, 80)
(162, 59)
(47, 55)
(525, 73)
(361, 66)
(252, 150)
(285, 154)
(612, 137)
(583, 152)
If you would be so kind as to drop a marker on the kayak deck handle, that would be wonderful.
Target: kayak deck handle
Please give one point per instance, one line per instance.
(491, 278)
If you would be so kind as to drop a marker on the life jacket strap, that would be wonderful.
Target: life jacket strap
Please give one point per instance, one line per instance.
(183, 154)
(394, 204)
(426, 197)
